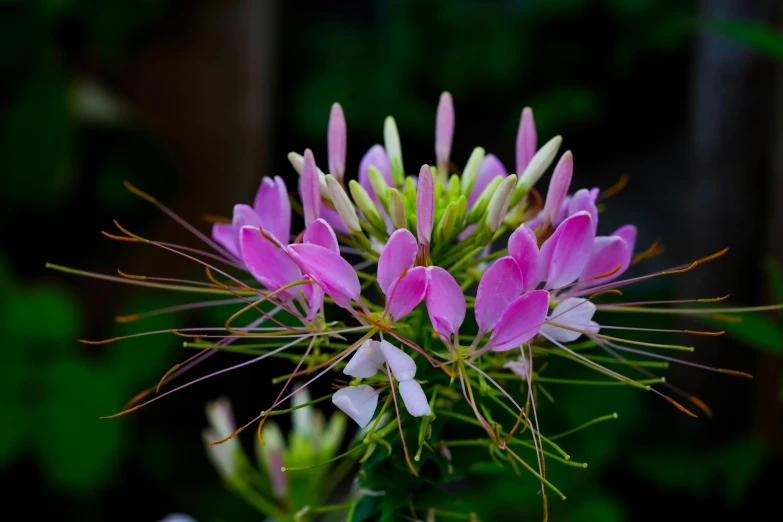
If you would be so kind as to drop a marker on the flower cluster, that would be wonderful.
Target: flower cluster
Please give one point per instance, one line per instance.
(377, 287)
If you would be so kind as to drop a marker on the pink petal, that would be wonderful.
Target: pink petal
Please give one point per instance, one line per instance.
(521, 321)
(445, 301)
(273, 208)
(315, 298)
(336, 141)
(224, 235)
(565, 254)
(375, 156)
(401, 364)
(491, 167)
(406, 293)
(628, 233)
(311, 189)
(267, 262)
(367, 360)
(425, 205)
(500, 284)
(574, 312)
(444, 128)
(244, 215)
(321, 234)
(558, 187)
(397, 255)
(527, 140)
(358, 402)
(523, 247)
(414, 399)
(583, 200)
(333, 274)
(609, 252)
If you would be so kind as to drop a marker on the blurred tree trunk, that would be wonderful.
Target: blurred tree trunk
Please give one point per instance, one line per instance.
(204, 83)
(730, 198)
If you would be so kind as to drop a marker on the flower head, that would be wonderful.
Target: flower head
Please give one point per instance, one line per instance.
(374, 292)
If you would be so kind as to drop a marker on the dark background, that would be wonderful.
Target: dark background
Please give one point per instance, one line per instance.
(195, 101)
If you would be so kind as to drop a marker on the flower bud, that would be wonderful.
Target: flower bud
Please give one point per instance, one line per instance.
(297, 161)
(343, 205)
(445, 229)
(453, 191)
(397, 209)
(444, 132)
(379, 185)
(391, 140)
(536, 168)
(480, 205)
(366, 205)
(471, 171)
(498, 205)
(336, 141)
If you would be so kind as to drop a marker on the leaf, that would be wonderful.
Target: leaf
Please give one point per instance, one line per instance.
(754, 329)
(36, 140)
(758, 37)
(733, 467)
(775, 275)
(77, 449)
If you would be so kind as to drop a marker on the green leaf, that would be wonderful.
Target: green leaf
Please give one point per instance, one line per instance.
(35, 140)
(77, 449)
(775, 274)
(754, 329)
(759, 37)
(732, 468)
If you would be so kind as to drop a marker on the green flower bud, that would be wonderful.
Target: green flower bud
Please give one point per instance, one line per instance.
(471, 171)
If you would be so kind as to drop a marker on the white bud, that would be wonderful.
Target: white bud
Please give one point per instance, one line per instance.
(297, 161)
(496, 211)
(471, 171)
(391, 140)
(541, 161)
(343, 205)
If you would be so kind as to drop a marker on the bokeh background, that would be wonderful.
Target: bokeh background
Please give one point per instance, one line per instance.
(194, 101)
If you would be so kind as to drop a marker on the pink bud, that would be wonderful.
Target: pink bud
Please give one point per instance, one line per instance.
(527, 141)
(336, 141)
(444, 129)
(425, 205)
(311, 189)
(558, 187)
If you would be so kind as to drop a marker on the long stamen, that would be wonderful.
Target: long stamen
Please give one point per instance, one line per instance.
(669, 301)
(335, 360)
(174, 309)
(205, 377)
(285, 386)
(676, 270)
(664, 330)
(678, 361)
(136, 282)
(593, 364)
(190, 228)
(666, 397)
(399, 422)
(629, 341)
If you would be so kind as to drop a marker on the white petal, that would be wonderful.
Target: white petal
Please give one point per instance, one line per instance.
(414, 399)
(518, 368)
(358, 402)
(402, 366)
(367, 360)
(574, 312)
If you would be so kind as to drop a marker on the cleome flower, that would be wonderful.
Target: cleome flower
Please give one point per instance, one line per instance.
(376, 288)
